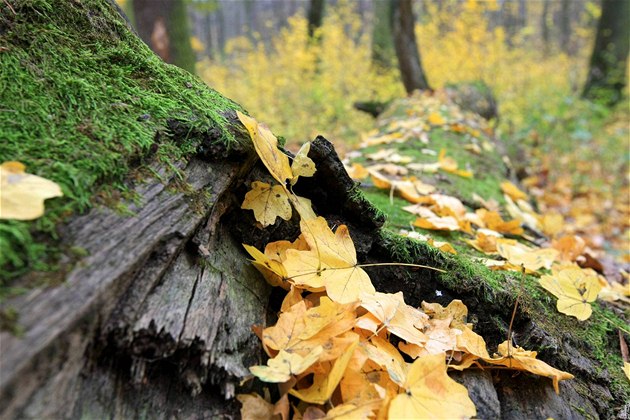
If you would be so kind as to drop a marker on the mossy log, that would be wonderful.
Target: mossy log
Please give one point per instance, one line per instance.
(147, 306)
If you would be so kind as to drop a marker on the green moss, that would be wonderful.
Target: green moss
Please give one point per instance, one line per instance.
(498, 292)
(82, 100)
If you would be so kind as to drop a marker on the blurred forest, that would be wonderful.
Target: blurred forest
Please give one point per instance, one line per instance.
(303, 79)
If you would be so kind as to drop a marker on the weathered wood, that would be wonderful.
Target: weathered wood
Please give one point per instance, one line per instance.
(143, 291)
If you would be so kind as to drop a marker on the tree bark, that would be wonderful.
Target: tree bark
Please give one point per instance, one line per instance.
(407, 51)
(163, 25)
(608, 66)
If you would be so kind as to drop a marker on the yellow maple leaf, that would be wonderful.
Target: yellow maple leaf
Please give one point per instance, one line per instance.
(456, 312)
(487, 243)
(430, 393)
(302, 164)
(513, 191)
(266, 145)
(570, 247)
(324, 384)
(437, 223)
(285, 364)
(552, 223)
(331, 263)
(626, 369)
(272, 270)
(575, 289)
(267, 202)
(495, 222)
(472, 343)
(277, 163)
(354, 411)
(532, 260)
(440, 338)
(22, 195)
(399, 318)
(520, 359)
(442, 246)
(385, 355)
(357, 171)
(300, 331)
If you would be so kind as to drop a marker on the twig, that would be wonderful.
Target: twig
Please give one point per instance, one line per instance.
(9, 6)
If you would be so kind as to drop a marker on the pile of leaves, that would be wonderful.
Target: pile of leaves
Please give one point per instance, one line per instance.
(340, 349)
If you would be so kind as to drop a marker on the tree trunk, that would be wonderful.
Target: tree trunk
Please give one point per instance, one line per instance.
(544, 26)
(383, 53)
(565, 26)
(163, 25)
(407, 51)
(607, 70)
(315, 16)
(150, 315)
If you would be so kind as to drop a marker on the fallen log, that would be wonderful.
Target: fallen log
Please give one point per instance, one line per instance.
(152, 318)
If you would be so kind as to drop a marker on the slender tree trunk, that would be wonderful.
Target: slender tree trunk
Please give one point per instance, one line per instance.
(383, 53)
(607, 71)
(565, 26)
(411, 71)
(163, 25)
(315, 16)
(544, 26)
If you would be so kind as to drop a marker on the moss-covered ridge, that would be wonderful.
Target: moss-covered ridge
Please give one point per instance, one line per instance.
(490, 295)
(82, 99)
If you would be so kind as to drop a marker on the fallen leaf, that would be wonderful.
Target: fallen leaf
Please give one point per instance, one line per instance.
(532, 260)
(399, 318)
(285, 365)
(22, 195)
(437, 223)
(430, 393)
(266, 145)
(267, 202)
(324, 384)
(302, 164)
(520, 359)
(350, 411)
(513, 191)
(272, 270)
(357, 171)
(331, 263)
(495, 222)
(570, 247)
(254, 407)
(575, 289)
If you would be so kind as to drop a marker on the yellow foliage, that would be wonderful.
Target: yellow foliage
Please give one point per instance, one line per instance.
(303, 88)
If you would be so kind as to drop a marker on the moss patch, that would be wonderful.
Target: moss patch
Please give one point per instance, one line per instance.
(82, 100)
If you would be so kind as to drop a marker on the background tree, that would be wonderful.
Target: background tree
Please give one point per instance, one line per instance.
(403, 22)
(315, 15)
(607, 70)
(382, 40)
(163, 25)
